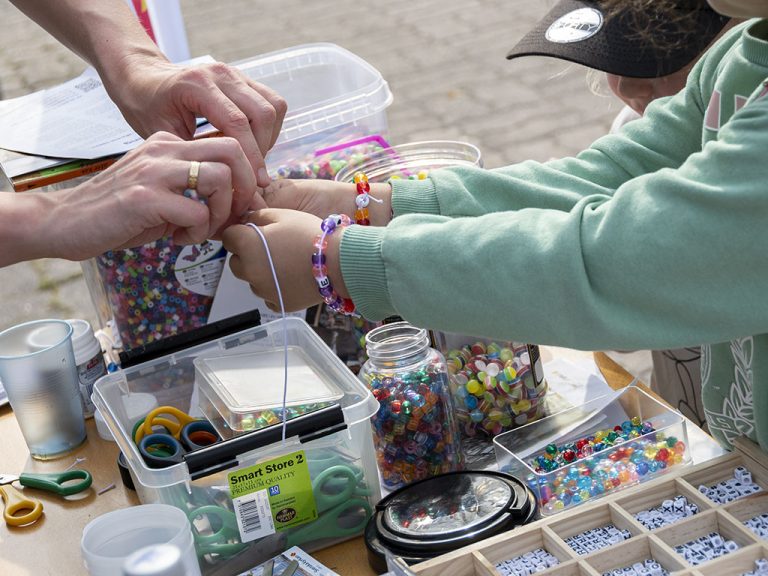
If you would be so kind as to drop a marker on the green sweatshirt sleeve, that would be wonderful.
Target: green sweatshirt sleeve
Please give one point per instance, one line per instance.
(657, 262)
(670, 131)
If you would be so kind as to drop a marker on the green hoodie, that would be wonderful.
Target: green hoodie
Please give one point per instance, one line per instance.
(656, 237)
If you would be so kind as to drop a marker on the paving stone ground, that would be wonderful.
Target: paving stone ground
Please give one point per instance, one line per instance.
(443, 59)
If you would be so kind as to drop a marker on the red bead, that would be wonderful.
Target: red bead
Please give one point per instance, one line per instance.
(348, 306)
(363, 222)
(363, 187)
(569, 455)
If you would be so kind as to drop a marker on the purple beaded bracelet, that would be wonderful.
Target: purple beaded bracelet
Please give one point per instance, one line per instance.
(320, 270)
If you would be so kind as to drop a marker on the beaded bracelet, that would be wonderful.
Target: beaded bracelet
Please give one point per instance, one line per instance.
(363, 199)
(320, 270)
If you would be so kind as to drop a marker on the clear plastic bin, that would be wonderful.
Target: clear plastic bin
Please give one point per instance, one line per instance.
(413, 160)
(161, 289)
(342, 439)
(588, 457)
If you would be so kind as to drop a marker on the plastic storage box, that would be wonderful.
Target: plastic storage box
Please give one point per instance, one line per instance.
(160, 289)
(244, 392)
(335, 442)
(602, 446)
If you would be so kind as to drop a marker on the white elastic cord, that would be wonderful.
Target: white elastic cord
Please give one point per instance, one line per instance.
(285, 324)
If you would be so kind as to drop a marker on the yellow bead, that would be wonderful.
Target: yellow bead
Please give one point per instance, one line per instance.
(359, 177)
(474, 387)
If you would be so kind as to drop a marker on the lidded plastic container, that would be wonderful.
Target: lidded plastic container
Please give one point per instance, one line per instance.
(89, 360)
(605, 445)
(233, 402)
(413, 160)
(414, 429)
(160, 289)
(337, 438)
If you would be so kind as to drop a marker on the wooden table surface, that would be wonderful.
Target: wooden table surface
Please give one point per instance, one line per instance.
(52, 545)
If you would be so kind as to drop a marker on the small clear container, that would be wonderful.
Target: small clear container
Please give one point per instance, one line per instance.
(598, 448)
(414, 429)
(244, 392)
(413, 160)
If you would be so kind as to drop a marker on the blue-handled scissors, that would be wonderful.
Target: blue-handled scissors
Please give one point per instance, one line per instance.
(161, 450)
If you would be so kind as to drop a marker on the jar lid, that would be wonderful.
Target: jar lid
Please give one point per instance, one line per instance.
(439, 514)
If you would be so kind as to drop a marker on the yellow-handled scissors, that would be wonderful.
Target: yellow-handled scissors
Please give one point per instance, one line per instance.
(59, 483)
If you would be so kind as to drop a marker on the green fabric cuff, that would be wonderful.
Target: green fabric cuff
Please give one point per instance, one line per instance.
(362, 266)
(414, 197)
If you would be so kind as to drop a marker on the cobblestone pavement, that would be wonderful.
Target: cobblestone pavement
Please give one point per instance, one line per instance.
(444, 61)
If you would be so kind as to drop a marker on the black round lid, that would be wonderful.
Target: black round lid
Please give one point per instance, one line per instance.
(445, 512)
(446, 505)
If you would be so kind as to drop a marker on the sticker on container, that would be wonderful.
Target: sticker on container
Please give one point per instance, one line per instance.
(198, 267)
(273, 496)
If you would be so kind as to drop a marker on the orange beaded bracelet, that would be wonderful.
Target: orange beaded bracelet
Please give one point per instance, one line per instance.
(362, 215)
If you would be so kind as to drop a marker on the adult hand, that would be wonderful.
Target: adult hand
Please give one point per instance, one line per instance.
(141, 198)
(157, 95)
(290, 236)
(324, 197)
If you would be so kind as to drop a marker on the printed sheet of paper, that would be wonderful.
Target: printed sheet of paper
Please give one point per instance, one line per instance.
(72, 120)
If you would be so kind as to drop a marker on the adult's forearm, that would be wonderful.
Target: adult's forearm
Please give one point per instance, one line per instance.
(105, 33)
(22, 227)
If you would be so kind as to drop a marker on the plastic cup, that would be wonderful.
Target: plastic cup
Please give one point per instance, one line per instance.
(109, 540)
(38, 371)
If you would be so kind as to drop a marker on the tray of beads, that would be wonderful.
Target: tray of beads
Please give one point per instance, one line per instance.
(710, 519)
(595, 449)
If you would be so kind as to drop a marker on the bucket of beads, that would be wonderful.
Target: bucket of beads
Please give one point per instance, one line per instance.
(325, 163)
(414, 430)
(605, 445)
(413, 160)
(159, 289)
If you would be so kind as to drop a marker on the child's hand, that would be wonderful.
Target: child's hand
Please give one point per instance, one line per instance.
(290, 236)
(325, 197)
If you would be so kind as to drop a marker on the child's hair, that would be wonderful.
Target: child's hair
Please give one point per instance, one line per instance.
(675, 18)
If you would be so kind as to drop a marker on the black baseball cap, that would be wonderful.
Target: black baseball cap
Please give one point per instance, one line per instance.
(580, 31)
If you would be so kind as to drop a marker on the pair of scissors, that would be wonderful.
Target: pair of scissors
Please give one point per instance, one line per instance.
(16, 502)
(161, 450)
(342, 506)
(157, 417)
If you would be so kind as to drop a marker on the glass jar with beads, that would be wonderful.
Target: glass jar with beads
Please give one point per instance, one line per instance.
(497, 385)
(414, 430)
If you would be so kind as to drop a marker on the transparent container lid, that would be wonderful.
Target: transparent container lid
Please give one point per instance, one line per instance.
(253, 382)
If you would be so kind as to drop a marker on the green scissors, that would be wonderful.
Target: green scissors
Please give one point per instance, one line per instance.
(341, 504)
(59, 483)
(16, 502)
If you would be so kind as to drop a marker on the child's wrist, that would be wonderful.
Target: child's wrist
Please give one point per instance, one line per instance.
(371, 207)
(326, 268)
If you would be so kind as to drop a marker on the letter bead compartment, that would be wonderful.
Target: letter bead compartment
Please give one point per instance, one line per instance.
(656, 546)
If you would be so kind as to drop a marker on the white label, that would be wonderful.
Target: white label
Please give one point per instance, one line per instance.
(198, 267)
(254, 516)
(575, 26)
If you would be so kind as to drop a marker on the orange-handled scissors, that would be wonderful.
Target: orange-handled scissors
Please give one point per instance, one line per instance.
(59, 483)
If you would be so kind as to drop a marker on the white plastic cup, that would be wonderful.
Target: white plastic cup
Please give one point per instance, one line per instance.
(111, 538)
(156, 560)
(89, 359)
(38, 371)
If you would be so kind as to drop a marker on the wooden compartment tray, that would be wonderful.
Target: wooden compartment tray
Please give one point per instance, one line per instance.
(550, 533)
